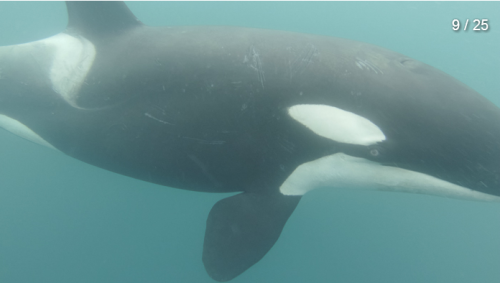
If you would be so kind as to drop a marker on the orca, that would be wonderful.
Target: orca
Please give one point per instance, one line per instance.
(268, 114)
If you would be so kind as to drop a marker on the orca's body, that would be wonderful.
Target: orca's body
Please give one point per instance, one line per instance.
(270, 114)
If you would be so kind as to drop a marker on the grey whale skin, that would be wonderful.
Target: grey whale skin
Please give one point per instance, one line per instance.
(270, 114)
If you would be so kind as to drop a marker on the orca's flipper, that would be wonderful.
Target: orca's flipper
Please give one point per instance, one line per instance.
(241, 229)
(100, 18)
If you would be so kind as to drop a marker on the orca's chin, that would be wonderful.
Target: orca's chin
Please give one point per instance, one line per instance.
(344, 171)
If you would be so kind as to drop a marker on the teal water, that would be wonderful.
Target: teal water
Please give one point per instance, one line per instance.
(65, 221)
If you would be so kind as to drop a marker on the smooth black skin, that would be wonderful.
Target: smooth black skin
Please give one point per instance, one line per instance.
(182, 107)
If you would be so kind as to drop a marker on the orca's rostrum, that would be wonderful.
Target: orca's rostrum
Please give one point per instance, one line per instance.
(270, 114)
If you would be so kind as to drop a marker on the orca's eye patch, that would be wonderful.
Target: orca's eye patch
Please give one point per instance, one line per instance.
(337, 124)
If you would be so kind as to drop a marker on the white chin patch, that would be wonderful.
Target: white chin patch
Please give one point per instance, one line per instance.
(19, 129)
(344, 171)
(337, 124)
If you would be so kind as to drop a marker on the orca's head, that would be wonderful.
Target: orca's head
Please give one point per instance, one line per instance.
(419, 130)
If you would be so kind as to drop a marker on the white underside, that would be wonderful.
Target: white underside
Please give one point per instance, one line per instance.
(344, 171)
(21, 130)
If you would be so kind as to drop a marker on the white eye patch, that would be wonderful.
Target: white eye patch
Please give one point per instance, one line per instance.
(337, 124)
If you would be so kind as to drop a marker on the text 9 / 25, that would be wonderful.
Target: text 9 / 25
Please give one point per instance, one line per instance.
(479, 25)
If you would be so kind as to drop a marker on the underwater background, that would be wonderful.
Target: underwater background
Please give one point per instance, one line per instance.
(62, 220)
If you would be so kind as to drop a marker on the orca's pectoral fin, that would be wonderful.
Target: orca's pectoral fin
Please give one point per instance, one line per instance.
(241, 229)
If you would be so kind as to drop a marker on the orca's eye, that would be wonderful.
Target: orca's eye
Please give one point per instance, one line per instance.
(407, 62)
(404, 61)
(374, 152)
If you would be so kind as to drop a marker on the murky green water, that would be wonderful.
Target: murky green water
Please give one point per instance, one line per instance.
(65, 221)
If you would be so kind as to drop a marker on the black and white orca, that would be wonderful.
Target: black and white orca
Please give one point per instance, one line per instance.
(270, 114)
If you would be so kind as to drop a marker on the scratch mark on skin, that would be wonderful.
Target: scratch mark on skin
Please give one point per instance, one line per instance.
(204, 170)
(287, 145)
(256, 64)
(160, 109)
(369, 66)
(299, 62)
(206, 141)
(158, 120)
(227, 132)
